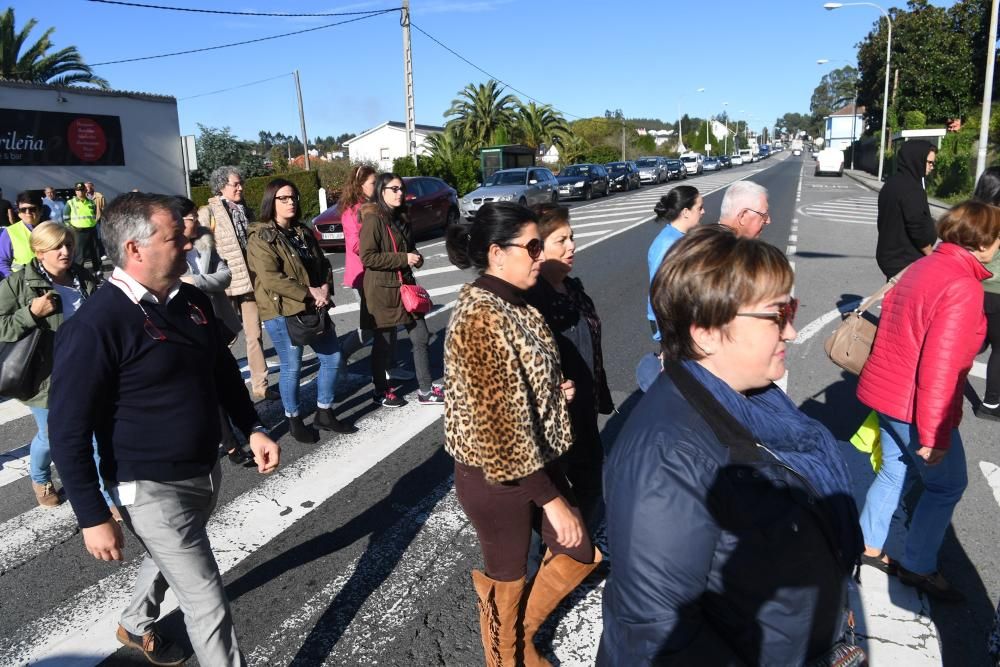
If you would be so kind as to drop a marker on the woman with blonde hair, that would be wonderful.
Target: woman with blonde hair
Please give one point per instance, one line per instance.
(47, 292)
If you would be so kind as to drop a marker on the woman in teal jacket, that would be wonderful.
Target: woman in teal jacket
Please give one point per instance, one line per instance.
(49, 290)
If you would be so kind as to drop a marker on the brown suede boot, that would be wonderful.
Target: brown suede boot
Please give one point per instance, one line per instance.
(556, 578)
(499, 618)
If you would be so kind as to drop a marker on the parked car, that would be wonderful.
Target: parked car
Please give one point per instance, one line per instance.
(830, 161)
(652, 169)
(526, 185)
(431, 205)
(736, 159)
(764, 152)
(693, 163)
(796, 151)
(623, 175)
(583, 180)
(710, 164)
(725, 162)
(748, 155)
(675, 169)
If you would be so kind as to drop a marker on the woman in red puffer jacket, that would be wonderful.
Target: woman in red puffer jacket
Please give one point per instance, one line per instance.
(931, 329)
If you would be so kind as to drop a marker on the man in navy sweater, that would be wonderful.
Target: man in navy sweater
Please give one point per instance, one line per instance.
(142, 366)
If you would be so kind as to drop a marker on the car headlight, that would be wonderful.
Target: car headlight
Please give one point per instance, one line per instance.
(620, 178)
(578, 184)
(466, 201)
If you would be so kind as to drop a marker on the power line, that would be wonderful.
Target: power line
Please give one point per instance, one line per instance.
(228, 13)
(226, 90)
(498, 79)
(250, 41)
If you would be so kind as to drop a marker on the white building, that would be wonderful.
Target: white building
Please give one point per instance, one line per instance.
(59, 135)
(661, 137)
(384, 143)
(843, 125)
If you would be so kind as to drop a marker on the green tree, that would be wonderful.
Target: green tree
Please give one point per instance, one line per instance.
(218, 147)
(278, 159)
(36, 64)
(835, 90)
(479, 113)
(539, 124)
(574, 148)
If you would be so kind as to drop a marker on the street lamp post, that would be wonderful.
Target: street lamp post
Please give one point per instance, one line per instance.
(888, 56)
(854, 104)
(984, 121)
(725, 119)
(701, 90)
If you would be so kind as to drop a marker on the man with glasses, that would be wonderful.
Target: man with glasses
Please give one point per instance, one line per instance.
(745, 210)
(15, 241)
(228, 216)
(144, 367)
(906, 229)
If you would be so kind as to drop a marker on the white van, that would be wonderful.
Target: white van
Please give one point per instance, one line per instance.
(747, 155)
(693, 162)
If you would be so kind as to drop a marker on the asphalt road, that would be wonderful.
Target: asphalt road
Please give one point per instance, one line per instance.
(357, 553)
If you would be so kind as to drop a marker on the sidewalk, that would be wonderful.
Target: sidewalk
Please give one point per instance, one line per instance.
(872, 183)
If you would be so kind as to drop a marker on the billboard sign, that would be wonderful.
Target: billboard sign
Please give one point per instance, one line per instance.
(48, 138)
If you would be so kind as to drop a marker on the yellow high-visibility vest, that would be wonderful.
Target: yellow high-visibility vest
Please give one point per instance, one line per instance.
(82, 213)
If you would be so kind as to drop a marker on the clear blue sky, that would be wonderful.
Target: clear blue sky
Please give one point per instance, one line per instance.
(582, 56)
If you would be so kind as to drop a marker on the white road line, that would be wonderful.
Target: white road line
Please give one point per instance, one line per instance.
(790, 250)
(583, 235)
(34, 532)
(84, 626)
(992, 474)
(613, 221)
(14, 465)
(434, 271)
(11, 410)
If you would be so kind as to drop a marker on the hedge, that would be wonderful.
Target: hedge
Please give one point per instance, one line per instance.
(253, 191)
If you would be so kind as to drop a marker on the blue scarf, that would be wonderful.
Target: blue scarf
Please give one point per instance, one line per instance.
(798, 441)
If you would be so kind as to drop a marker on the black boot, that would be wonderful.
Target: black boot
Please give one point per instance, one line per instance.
(301, 432)
(326, 420)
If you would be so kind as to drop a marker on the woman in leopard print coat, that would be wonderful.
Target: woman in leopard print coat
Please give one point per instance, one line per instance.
(507, 426)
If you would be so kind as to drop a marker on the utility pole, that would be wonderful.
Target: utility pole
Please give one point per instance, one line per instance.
(984, 122)
(411, 129)
(623, 139)
(302, 121)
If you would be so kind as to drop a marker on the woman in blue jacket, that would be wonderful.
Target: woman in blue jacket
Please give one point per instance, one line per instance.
(731, 524)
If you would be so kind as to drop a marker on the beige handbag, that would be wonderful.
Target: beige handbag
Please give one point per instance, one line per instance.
(850, 345)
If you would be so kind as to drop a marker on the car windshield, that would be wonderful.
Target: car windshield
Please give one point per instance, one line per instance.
(508, 178)
(646, 163)
(576, 170)
(710, 159)
(615, 166)
(688, 158)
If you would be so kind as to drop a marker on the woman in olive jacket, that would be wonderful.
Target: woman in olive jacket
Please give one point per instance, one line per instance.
(291, 276)
(47, 291)
(389, 257)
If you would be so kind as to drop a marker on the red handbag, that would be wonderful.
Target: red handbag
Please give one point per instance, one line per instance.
(415, 298)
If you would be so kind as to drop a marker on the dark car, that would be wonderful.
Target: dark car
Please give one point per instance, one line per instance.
(725, 161)
(765, 151)
(431, 204)
(623, 175)
(676, 170)
(583, 180)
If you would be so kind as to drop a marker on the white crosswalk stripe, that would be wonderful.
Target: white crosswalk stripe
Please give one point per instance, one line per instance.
(861, 210)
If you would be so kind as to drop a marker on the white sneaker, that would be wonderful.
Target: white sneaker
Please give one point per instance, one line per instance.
(400, 374)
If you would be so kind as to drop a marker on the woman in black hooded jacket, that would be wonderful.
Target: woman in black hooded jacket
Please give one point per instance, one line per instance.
(906, 230)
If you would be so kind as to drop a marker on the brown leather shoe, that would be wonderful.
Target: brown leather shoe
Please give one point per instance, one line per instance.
(46, 494)
(157, 649)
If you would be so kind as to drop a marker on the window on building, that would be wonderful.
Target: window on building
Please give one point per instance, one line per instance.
(384, 153)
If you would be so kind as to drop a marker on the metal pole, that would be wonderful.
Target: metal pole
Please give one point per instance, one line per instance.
(885, 96)
(411, 126)
(854, 122)
(187, 173)
(302, 121)
(623, 140)
(984, 122)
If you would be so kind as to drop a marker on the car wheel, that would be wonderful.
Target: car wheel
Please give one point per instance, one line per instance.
(452, 218)
(522, 201)
(587, 194)
(555, 197)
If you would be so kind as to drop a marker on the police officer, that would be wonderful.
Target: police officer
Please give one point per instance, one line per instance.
(81, 214)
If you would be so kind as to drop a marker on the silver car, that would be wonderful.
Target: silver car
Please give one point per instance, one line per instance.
(526, 186)
(652, 169)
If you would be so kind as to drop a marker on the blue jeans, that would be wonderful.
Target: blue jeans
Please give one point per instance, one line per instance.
(327, 349)
(41, 459)
(943, 483)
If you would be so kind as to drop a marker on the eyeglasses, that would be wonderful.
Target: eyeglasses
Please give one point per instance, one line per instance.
(784, 316)
(532, 247)
(27, 209)
(930, 163)
(284, 199)
(395, 188)
(235, 185)
(764, 216)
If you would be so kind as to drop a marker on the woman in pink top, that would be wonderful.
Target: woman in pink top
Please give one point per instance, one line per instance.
(357, 190)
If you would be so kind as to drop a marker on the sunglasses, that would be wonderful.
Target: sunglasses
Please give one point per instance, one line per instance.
(784, 316)
(27, 209)
(532, 247)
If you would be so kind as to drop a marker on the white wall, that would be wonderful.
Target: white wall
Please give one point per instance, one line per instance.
(150, 134)
(385, 145)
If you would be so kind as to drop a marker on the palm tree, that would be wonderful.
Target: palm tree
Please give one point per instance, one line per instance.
(573, 148)
(448, 144)
(539, 124)
(36, 64)
(480, 112)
